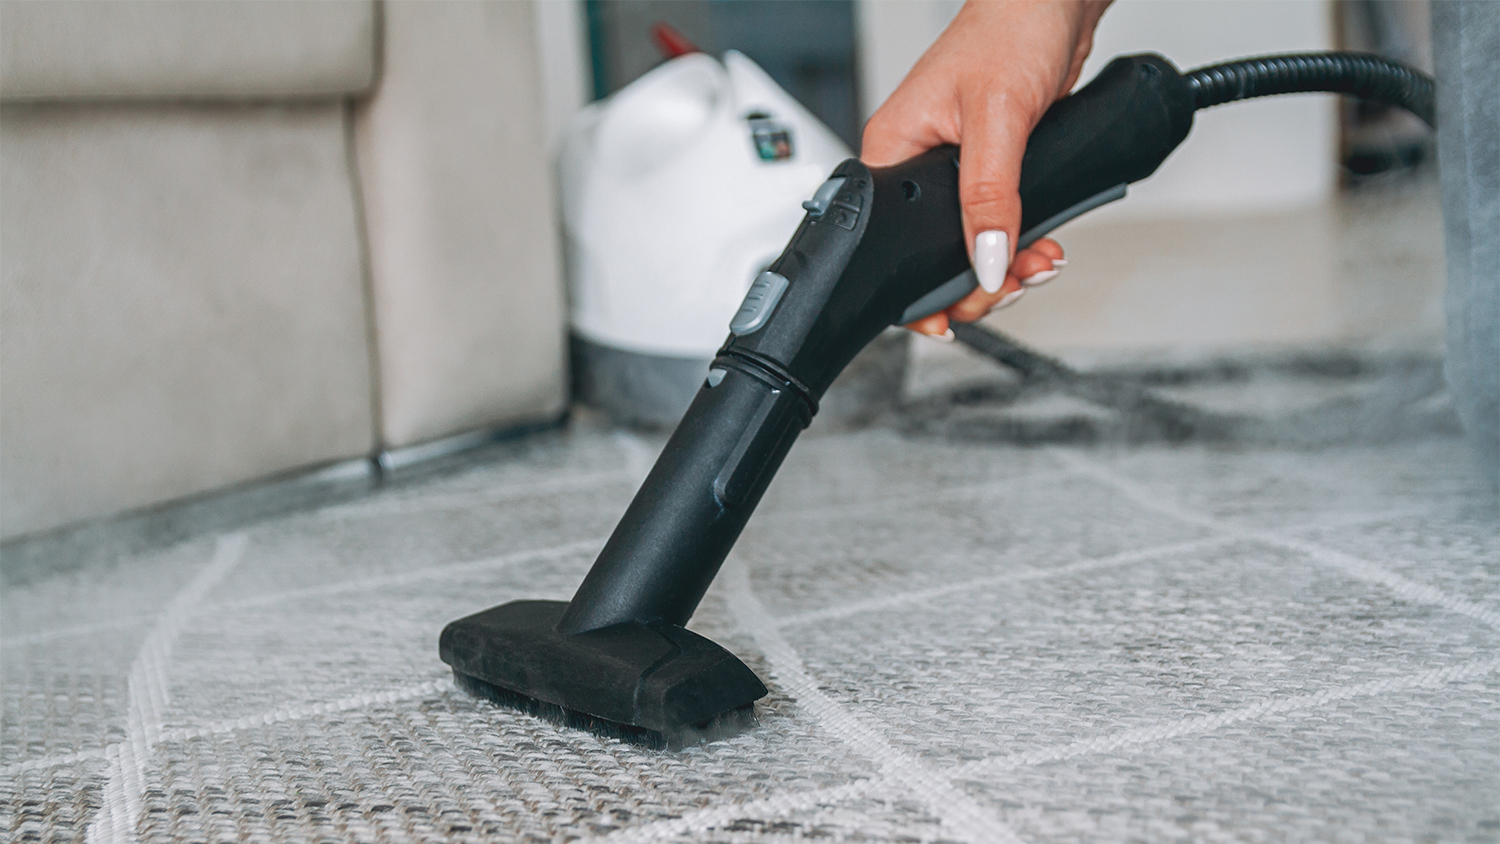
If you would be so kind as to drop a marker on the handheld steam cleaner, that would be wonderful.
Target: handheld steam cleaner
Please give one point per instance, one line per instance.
(877, 247)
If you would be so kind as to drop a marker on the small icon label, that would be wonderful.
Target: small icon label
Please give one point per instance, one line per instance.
(773, 140)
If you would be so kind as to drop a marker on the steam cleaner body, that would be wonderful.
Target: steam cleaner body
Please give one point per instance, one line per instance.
(878, 246)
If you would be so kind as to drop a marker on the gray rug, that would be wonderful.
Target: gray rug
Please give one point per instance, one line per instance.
(963, 643)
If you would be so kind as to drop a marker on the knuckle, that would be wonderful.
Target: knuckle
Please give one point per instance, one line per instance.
(879, 119)
(989, 194)
(885, 119)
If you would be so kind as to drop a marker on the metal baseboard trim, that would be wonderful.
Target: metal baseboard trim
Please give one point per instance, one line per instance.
(29, 557)
(434, 455)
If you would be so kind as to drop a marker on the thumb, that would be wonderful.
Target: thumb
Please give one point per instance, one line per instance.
(989, 181)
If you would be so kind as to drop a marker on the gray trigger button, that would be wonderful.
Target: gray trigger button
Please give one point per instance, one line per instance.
(823, 196)
(759, 302)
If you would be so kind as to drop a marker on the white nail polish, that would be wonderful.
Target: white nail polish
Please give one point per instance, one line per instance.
(1007, 300)
(1059, 263)
(1039, 278)
(946, 336)
(991, 259)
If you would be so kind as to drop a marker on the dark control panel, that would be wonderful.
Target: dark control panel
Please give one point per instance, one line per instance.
(830, 206)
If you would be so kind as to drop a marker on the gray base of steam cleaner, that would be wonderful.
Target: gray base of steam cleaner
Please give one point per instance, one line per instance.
(878, 247)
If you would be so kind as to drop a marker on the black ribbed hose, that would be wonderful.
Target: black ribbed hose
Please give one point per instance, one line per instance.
(1356, 74)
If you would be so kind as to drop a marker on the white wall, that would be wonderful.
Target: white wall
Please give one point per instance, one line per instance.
(1258, 156)
(1264, 155)
(892, 35)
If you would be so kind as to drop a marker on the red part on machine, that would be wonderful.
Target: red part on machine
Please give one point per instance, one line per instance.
(670, 41)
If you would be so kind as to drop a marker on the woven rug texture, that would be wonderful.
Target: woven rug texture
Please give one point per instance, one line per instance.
(963, 643)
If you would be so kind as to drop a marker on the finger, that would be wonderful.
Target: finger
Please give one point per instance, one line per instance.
(1049, 247)
(1033, 267)
(988, 179)
(980, 302)
(935, 325)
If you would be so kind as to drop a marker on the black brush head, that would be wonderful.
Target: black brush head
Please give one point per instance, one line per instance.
(651, 683)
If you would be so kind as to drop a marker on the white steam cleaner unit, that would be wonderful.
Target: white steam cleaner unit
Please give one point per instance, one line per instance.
(676, 193)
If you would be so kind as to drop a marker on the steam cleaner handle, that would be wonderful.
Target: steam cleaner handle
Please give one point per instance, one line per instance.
(885, 245)
(1116, 130)
(1087, 147)
(879, 246)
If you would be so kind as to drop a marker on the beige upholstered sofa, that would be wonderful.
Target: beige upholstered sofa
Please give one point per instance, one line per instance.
(244, 239)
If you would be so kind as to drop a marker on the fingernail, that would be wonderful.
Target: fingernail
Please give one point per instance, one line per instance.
(991, 259)
(1007, 300)
(1039, 278)
(1059, 263)
(946, 336)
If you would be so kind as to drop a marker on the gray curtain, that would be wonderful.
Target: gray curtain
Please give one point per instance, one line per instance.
(1466, 38)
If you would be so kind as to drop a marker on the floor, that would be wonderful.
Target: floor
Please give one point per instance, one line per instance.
(1363, 271)
(963, 641)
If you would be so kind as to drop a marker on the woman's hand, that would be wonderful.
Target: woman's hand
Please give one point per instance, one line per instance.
(983, 85)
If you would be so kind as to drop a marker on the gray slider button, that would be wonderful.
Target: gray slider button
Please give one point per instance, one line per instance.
(759, 302)
(824, 195)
